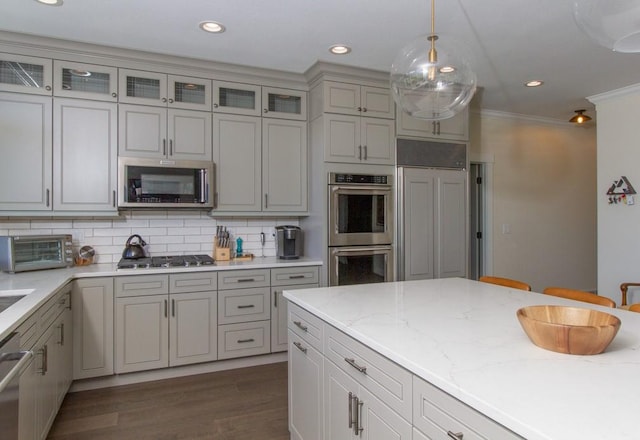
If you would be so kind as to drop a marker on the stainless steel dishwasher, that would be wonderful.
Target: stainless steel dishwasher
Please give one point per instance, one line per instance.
(11, 362)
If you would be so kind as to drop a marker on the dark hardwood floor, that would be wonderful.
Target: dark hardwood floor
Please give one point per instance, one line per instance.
(246, 403)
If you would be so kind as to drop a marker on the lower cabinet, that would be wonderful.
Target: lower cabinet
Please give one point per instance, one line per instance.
(46, 379)
(92, 300)
(162, 329)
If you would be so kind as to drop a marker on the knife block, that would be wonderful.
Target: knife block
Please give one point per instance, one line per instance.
(221, 253)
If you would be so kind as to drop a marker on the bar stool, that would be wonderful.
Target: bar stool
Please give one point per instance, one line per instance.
(580, 295)
(507, 282)
(623, 289)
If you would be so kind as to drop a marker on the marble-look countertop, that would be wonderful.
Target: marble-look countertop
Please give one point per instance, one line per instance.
(463, 336)
(41, 284)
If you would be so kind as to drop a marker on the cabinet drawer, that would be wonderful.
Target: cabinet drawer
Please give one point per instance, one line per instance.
(435, 413)
(193, 282)
(242, 279)
(305, 325)
(294, 275)
(244, 339)
(52, 309)
(243, 305)
(28, 332)
(386, 380)
(141, 285)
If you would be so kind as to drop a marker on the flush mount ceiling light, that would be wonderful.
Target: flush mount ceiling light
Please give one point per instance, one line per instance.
(339, 49)
(51, 2)
(534, 83)
(613, 24)
(580, 118)
(430, 84)
(212, 26)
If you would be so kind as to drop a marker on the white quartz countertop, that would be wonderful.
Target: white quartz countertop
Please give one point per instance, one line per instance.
(463, 336)
(40, 285)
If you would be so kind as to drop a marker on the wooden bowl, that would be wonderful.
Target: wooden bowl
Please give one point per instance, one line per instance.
(569, 330)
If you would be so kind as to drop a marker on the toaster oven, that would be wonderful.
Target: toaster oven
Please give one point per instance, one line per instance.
(20, 253)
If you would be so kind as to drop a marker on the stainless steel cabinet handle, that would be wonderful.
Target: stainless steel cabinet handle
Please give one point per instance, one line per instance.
(265, 110)
(61, 327)
(114, 198)
(455, 436)
(173, 308)
(357, 429)
(170, 101)
(47, 88)
(164, 99)
(47, 197)
(244, 341)
(295, 277)
(350, 418)
(114, 94)
(359, 109)
(44, 353)
(364, 109)
(433, 127)
(300, 347)
(275, 298)
(360, 152)
(438, 126)
(352, 362)
(166, 304)
(266, 201)
(215, 200)
(304, 328)
(365, 152)
(215, 105)
(246, 306)
(246, 280)
(170, 147)
(164, 147)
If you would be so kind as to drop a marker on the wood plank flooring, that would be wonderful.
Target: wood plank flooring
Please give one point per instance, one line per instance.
(246, 403)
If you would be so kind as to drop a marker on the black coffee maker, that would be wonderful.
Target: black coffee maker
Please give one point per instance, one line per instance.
(288, 242)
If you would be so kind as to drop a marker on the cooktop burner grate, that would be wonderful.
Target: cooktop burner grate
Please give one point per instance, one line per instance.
(167, 261)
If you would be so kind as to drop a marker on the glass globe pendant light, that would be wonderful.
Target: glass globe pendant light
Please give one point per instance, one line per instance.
(614, 24)
(431, 77)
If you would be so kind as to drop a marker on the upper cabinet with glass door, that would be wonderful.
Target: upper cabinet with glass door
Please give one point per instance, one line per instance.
(25, 74)
(87, 81)
(152, 88)
(237, 98)
(284, 103)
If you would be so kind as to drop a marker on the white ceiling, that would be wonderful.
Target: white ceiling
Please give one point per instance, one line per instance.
(510, 41)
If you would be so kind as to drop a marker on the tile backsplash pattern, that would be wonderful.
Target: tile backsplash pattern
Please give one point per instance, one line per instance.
(166, 232)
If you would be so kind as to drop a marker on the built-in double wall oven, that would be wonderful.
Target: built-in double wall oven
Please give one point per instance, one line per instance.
(360, 229)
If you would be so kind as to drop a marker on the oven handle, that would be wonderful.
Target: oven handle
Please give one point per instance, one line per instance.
(22, 357)
(357, 189)
(357, 250)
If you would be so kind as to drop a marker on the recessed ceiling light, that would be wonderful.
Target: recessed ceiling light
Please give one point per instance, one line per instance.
(51, 2)
(212, 26)
(534, 83)
(339, 49)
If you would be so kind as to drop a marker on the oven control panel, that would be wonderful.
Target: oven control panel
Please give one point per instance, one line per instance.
(367, 179)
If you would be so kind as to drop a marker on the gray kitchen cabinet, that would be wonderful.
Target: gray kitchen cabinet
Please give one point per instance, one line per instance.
(165, 320)
(46, 379)
(159, 89)
(357, 100)
(27, 156)
(284, 103)
(24, 74)
(434, 242)
(289, 278)
(237, 98)
(92, 300)
(455, 128)
(85, 81)
(156, 132)
(84, 155)
(261, 164)
(355, 139)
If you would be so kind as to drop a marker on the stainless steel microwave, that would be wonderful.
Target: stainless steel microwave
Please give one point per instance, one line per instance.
(20, 253)
(156, 183)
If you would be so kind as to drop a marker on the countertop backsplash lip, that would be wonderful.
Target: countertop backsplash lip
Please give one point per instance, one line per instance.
(50, 281)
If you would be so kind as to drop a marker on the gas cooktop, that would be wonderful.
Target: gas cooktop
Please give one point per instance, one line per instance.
(167, 261)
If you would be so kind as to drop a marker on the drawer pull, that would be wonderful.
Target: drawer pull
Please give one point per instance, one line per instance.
(304, 328)
(244, 341)
(295, 277)
(352, 362)
(300, 347)
(455, 436)
(246, 306)
(246, 280)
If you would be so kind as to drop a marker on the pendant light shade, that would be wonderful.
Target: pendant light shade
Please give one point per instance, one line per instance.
(614, 24)
(431, 77)
(580, 118)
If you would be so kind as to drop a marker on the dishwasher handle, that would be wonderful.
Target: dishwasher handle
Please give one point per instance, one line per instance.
(23, 357)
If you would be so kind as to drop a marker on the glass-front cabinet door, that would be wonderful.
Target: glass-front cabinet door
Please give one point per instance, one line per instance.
(25, 74)
(237, 98)
(189, 93)
(284, 103)
(86, 81)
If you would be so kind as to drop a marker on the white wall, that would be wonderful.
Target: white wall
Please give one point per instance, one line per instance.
(544, 182)
(618, 225)
(166, 232)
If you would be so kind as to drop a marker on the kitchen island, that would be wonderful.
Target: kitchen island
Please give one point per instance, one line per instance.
(463, 337)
